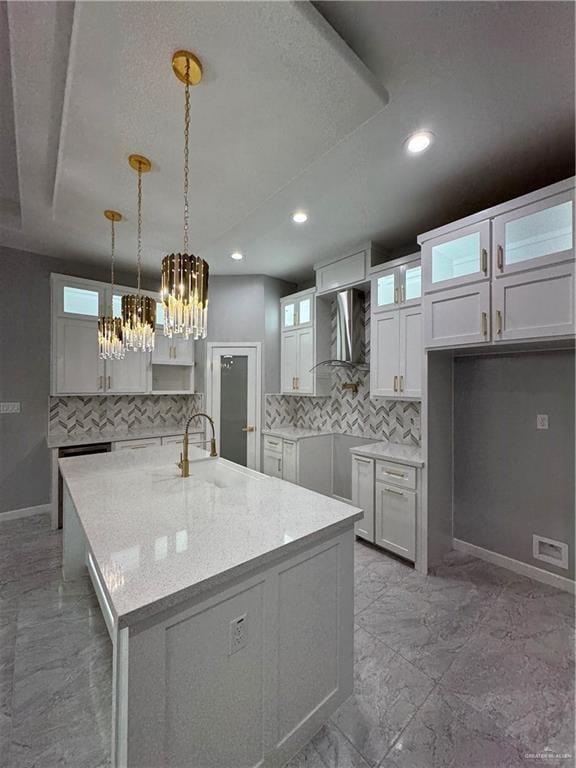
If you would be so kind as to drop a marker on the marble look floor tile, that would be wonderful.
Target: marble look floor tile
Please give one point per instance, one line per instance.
(427, 629)
(387, 692)
(328, 749)
(510, 680)
(446, 733)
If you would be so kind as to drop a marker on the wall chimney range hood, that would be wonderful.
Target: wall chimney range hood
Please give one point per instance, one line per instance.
(350, 337)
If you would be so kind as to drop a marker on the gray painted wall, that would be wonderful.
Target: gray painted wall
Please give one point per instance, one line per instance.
(510, 479)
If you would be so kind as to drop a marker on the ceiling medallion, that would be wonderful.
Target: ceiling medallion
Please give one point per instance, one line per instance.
(110, 340)
(184, 288)
(138, 311)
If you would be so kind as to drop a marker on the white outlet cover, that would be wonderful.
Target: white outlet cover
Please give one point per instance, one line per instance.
(238, 634)
(542, 421)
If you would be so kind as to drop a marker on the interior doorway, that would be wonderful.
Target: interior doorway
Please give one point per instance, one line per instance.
(234, 399)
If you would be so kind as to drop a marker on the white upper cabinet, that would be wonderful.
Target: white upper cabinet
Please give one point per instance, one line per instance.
(129, 374)
(305, 341)
(385, 354)
(348, 270)
(518, 287)
(457, 258)
(297, 311)
(397, 286)
(411, 357)
(76, 367)
(536, 235)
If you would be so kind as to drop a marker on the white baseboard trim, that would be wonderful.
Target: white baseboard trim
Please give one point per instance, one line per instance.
(15, 514)
(524, 569)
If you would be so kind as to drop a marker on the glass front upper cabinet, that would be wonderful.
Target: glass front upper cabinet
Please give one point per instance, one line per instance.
(535, 235)
(81, 301)
(412, 283)
(457, 258)
(297, 313)
(385, 295)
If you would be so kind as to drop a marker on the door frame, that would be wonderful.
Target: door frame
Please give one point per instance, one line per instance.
(235, 346)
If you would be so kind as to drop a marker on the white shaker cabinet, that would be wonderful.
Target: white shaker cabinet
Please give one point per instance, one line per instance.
(395, 515)
(457, 317)
(534, 304)
(363, 495)
(396, 354)
(289, 459)
(457, 258)
(130, 374)
(304, 342)
(77, 369)
(398, 286)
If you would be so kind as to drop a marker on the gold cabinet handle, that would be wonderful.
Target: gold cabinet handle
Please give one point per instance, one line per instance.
(484, 261)
(401, 383)
(391, 490)
(248, 428)
(394, 473)
(297, 382)
(402, 294)
(395, 295)
(500, 258)
(395, 383)
(499, 322)
(279, 465)
(100, 382)
(484, 318)
(109, 382)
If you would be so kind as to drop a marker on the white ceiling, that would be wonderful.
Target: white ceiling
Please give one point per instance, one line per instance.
(289, 115)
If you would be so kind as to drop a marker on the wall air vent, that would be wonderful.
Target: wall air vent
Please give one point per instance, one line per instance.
(550, 551)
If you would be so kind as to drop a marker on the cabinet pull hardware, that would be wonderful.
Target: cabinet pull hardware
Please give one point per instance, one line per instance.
(100, 382)
(109, 382)
(499, 322)
(402, 295)
(401, 383)
(395, 295)
(484, 317)
(297, 382)
(271, 442)
(279, 465)
(394, 472)
(500, 258)
(174, 348)
(395, 383)
(249, 428)
(391, 490)
(484, 261)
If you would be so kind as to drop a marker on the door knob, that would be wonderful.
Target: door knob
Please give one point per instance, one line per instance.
(249, 428)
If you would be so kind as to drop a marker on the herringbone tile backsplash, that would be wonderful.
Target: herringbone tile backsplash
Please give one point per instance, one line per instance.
(75, 415)
(344, 412)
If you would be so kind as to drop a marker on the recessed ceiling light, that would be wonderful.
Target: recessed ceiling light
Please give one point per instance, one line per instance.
(418, 142)
(299, 217)
(237, 256)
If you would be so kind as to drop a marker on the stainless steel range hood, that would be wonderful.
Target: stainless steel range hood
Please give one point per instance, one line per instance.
(350, 336)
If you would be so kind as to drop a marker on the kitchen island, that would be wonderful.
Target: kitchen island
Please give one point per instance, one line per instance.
(228, 596)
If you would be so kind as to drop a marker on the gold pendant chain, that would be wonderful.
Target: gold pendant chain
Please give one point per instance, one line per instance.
(112, 251)
(139, 251)
(186, 142)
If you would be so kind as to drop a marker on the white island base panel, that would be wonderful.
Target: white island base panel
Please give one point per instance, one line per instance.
(182, 694)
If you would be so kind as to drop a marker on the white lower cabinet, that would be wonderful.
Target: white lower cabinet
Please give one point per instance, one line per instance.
(135, 445)
(396, 520)
(387, 491)
(457, 316)
(272, 465)
(534, 304)
(289, 456)
(306, 462)
(363, 495)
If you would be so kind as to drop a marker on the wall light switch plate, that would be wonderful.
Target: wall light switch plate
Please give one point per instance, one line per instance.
(9, 407)
(542, 421)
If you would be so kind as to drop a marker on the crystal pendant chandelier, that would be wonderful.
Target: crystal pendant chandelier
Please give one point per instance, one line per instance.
(184, 289)
(138, 311)
(110, 340)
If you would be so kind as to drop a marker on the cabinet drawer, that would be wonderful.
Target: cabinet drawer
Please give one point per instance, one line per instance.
(396, 520)
(123, 445)
(176, 439)
(398, 474)
(273, 444)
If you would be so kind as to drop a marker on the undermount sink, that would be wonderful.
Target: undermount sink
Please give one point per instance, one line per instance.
(220, 475)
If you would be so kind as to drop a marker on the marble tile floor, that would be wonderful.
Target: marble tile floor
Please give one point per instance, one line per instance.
(472, 667)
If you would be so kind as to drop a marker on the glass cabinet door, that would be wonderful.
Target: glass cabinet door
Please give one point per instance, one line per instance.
(297, 313)
(457, 258)
(304, 311)
(535, 235)
(411, 288)
(385, 290)
(289, 315)
(81, 300)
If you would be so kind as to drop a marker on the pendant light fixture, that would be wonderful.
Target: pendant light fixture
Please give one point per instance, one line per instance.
(184, 289)
(110, 341)
(138, 311)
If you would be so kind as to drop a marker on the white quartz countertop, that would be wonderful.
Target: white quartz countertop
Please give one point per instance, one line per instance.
(403, 454)
(295, 433)
(93, 436)
(158, 538)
